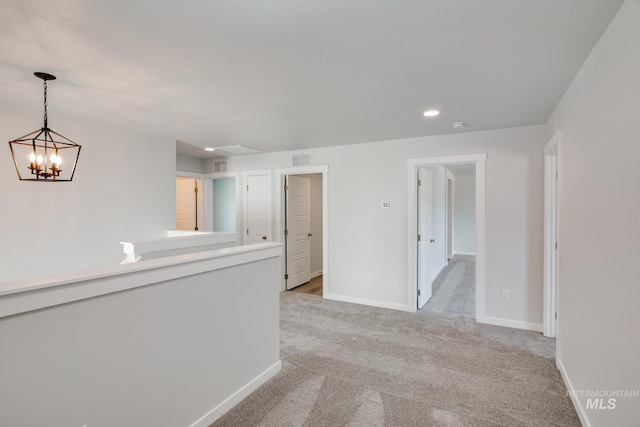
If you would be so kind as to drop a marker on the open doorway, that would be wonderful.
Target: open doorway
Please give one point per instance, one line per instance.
(303, 233)
(188, 204)
(452, 283)
(292, 230)
(446, 243)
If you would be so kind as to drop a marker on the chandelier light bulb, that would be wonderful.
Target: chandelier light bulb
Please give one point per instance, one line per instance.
(39, 159)
(32, 157)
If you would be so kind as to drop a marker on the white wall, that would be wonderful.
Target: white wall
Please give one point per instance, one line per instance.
(123, 189)
(598, 335)
(464, 213)
(224, 204)
(190, 164)
(362, 175)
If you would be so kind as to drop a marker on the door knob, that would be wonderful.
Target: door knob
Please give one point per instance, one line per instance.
(309, 234)
(264, 237)
(432, 240)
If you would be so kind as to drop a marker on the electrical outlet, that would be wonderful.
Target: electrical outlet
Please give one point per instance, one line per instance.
(372, 280)
(354, 228)
(506, 296)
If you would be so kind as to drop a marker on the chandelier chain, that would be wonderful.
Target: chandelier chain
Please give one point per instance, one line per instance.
(45, 104)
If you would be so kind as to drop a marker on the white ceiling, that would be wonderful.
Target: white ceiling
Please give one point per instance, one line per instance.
(283, 74)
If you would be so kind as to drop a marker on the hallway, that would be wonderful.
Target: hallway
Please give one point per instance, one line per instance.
(454, 289)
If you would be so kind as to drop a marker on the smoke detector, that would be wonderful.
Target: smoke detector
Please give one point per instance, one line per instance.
(460, 125)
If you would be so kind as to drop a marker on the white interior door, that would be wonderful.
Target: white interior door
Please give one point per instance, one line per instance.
(298, 227)
(257, 191)
(425, 236)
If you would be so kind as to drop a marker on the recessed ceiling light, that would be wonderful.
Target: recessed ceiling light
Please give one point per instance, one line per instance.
(209, 149)
(431, 113)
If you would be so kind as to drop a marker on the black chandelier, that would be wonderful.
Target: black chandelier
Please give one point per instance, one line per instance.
(44, 155)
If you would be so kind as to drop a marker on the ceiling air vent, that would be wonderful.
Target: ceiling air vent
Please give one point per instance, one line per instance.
(301, 159)
(220, 166)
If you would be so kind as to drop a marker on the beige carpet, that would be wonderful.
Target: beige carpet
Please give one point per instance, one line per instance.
(352, 365)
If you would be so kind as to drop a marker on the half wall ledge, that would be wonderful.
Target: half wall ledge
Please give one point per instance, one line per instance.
(26, 295)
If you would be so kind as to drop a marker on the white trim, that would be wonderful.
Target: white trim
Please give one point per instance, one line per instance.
(194, 175)
(316, 274)
(22, 296)
(369, 302)
(480, 239)
(479, 160)
(464, 253)
(225, 174)
(552, 184)
(551, 147)
(279, 215)
(580, 410)
(448, 160)
(211, 416)
(517, 324)
(449, 176)
(550, 219)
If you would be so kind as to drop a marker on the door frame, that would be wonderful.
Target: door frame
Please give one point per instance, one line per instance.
(279, 216)
(206, 198)
(202, 198)
(287, 214)
(449, 177)
(552, 189)
(412, 165)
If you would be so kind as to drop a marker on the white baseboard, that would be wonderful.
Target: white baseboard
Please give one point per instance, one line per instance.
(369, 302)
(517, 324)
(208, 418)
(582, 414)
(316, 274)
(464, 253)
